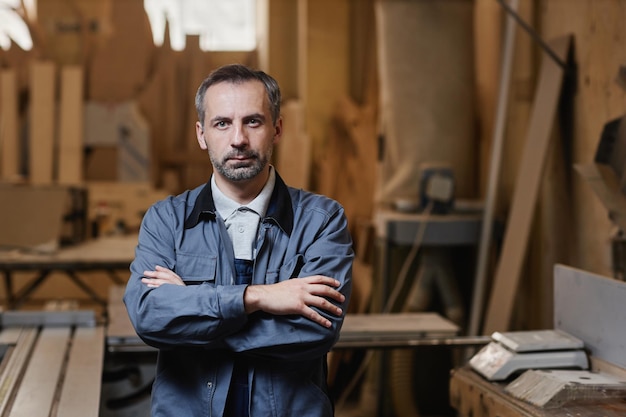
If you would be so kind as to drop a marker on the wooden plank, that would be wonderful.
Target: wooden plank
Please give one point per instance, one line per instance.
(396, 325)
(71, 126)
(119, 326)
(120, 332)
(501, 302)
(9, 336)
(9, 144)
(15, 364)
(557, 388)
(39, 386)
(42, 126)
(493, 175)
(487, 52)
(80, 395)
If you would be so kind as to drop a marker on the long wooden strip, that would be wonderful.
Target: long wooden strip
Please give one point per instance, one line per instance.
(501, 302)
(80, 395)
(39, 386)
(41, 145)
(16, 363)
(496, 145)
(10, 335)
(71, 126)
(8, 125)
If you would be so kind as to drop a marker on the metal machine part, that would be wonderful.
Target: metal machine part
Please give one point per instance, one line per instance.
(512, 352)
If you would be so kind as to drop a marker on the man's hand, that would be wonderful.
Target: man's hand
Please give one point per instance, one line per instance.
(160, 276)
(296, 296)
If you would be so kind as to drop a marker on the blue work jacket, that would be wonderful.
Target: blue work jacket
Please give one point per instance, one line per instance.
(202, 328)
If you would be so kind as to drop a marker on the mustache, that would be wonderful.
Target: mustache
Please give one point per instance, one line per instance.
(241, 154)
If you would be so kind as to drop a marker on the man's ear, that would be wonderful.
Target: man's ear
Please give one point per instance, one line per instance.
(200, 136)
(278, 130)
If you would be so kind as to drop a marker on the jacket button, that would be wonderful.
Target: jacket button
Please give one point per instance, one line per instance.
(209, 385)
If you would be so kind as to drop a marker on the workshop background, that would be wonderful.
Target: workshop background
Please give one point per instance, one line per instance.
(378, 96)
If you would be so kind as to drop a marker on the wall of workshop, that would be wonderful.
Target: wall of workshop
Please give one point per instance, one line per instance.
(323, 54)
(571, 226)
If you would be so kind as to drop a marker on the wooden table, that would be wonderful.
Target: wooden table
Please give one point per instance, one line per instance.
(473, 396)
(109, 254)
(587, 306)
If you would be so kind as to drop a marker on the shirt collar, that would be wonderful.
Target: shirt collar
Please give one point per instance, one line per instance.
(226, 206)
(279, 207)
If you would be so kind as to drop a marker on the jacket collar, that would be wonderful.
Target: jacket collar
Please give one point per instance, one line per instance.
(280, 209)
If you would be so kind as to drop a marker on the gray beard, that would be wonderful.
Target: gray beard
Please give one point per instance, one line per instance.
(242, 171)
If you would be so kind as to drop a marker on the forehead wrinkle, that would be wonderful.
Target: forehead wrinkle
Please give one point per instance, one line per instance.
(230, 95)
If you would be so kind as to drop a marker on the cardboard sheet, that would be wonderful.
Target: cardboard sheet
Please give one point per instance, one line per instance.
(31, 217)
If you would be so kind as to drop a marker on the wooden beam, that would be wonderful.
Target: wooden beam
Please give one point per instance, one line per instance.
(9, 144)
(42, 126)
(71, 126)
(508, 272)
(80, 396)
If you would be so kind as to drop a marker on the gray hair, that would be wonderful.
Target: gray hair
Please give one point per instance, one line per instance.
(237, 74)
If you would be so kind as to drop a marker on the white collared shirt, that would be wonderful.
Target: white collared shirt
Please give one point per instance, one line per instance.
(242, 222)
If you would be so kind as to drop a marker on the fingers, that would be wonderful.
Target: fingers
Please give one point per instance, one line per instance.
(327, 292)
(321, 279)
(318, 291)
(326, 305)
(317, 318)
(160, 276)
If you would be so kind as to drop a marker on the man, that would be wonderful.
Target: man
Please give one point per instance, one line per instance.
(242, 283)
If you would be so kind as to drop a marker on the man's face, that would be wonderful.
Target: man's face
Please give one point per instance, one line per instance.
(238, 131)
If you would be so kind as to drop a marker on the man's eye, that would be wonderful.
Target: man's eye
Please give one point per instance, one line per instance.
(254, 122)
(220, 124)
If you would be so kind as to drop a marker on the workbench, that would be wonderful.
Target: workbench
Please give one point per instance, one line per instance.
(108, 254)
(587, 306)
(473, 396)
(51, 364)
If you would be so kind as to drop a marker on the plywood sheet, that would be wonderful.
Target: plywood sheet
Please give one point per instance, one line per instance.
(508, 272)
(24, 223)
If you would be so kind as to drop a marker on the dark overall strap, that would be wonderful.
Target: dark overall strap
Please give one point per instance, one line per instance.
(238, 397)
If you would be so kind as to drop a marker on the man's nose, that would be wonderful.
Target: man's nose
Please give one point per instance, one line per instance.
(240, 137)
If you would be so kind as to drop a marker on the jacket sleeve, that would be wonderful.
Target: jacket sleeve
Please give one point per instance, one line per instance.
(293, 337)
(173, 315)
